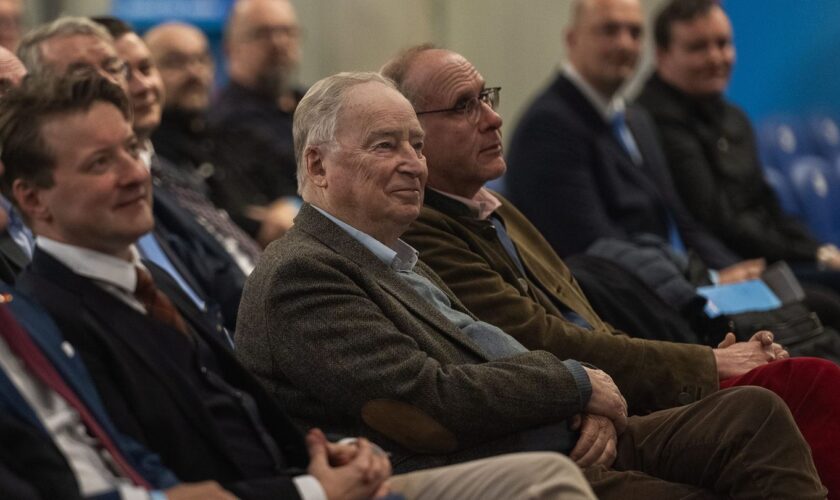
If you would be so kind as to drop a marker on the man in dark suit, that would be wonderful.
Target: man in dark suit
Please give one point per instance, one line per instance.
(410, 364)
(42, 445)
(165, 375)
(584, 166)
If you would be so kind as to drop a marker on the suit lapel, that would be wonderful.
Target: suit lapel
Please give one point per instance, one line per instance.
(594, 122)
(131, 329)
(12, 400)
(322, 229)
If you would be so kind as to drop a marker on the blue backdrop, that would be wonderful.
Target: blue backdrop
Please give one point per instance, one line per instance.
(788, 56)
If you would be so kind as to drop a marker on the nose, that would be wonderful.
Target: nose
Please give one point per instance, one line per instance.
(490, 119)
(133, 172)
(139, 83)
(413, 163)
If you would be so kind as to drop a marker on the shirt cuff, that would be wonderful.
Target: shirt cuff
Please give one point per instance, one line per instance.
(309, 488)
(157, 495)
(584, 386)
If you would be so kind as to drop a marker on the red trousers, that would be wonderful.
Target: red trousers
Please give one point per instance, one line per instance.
(811, 389)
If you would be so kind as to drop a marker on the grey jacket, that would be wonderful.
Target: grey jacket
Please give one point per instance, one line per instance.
(349, 347)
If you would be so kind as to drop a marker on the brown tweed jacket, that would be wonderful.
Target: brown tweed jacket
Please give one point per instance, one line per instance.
(466, 254)
(349, 347)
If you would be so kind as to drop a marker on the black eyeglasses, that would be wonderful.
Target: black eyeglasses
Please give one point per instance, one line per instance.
(471, 108)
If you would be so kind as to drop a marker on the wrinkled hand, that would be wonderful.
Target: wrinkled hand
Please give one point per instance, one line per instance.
(275, 219)
(736, 358)
(606, 399)
(207, 490)
(742, 271)
(362, 477)
(598, 441)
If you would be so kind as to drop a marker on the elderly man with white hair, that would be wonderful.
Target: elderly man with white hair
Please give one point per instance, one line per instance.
(343, 323)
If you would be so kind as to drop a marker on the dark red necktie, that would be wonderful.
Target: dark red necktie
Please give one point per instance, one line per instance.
(38, 365)
(157, 305)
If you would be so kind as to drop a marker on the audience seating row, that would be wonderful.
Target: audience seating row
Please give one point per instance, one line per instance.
(801, 157)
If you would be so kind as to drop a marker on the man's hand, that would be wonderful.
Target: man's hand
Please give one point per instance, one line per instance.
(207, 490)
(275, 219)
(363, 476)
(828, 256)
(598, 441)
(736, 358)
(606, 399)
(742, 271)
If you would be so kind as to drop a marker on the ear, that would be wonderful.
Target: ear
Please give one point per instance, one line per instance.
(570, 37)
(316, 171)
(30, 200)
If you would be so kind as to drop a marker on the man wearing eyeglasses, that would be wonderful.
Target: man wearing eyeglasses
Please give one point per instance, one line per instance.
(254, 114)
(341, 321)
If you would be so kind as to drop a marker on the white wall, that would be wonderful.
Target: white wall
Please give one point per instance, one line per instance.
(516, 44)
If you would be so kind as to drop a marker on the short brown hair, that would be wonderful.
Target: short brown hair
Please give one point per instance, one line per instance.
(25, 110)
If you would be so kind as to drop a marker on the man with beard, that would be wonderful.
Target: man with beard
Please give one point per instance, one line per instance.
(254, 112)
(181, 53)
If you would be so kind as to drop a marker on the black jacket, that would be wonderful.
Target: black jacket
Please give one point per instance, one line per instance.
(711, 151)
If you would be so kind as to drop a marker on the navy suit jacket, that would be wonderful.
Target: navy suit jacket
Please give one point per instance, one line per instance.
(576, 183)
(61, 354)
(146, 393)
(198, 256)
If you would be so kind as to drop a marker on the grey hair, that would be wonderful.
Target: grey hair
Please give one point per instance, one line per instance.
(316, 116)
(29, 50)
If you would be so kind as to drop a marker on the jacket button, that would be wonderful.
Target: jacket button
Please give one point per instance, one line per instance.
(684, 398)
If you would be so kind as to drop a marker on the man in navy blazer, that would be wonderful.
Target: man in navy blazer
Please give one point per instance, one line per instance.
(569, 172)
(30, 454)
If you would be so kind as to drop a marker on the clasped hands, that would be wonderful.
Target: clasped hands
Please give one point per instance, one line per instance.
(348, 471)
(737, 358)
(604, 418)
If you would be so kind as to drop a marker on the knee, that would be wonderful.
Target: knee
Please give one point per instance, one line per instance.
(815, 366)
(754, 402)
(552, 475)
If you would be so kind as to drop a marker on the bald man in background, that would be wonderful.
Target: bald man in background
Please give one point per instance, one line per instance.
(254, 112)
(185, 137)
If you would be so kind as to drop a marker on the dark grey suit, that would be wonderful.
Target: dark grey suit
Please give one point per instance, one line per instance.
(350, 347)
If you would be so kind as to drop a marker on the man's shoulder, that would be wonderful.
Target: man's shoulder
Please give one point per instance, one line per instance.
(558, 112)
(555, 99)
(663, 102)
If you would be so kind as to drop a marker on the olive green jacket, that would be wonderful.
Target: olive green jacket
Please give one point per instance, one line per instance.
(465, 252)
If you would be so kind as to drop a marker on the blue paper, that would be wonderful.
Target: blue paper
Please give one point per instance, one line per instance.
(751, 295)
